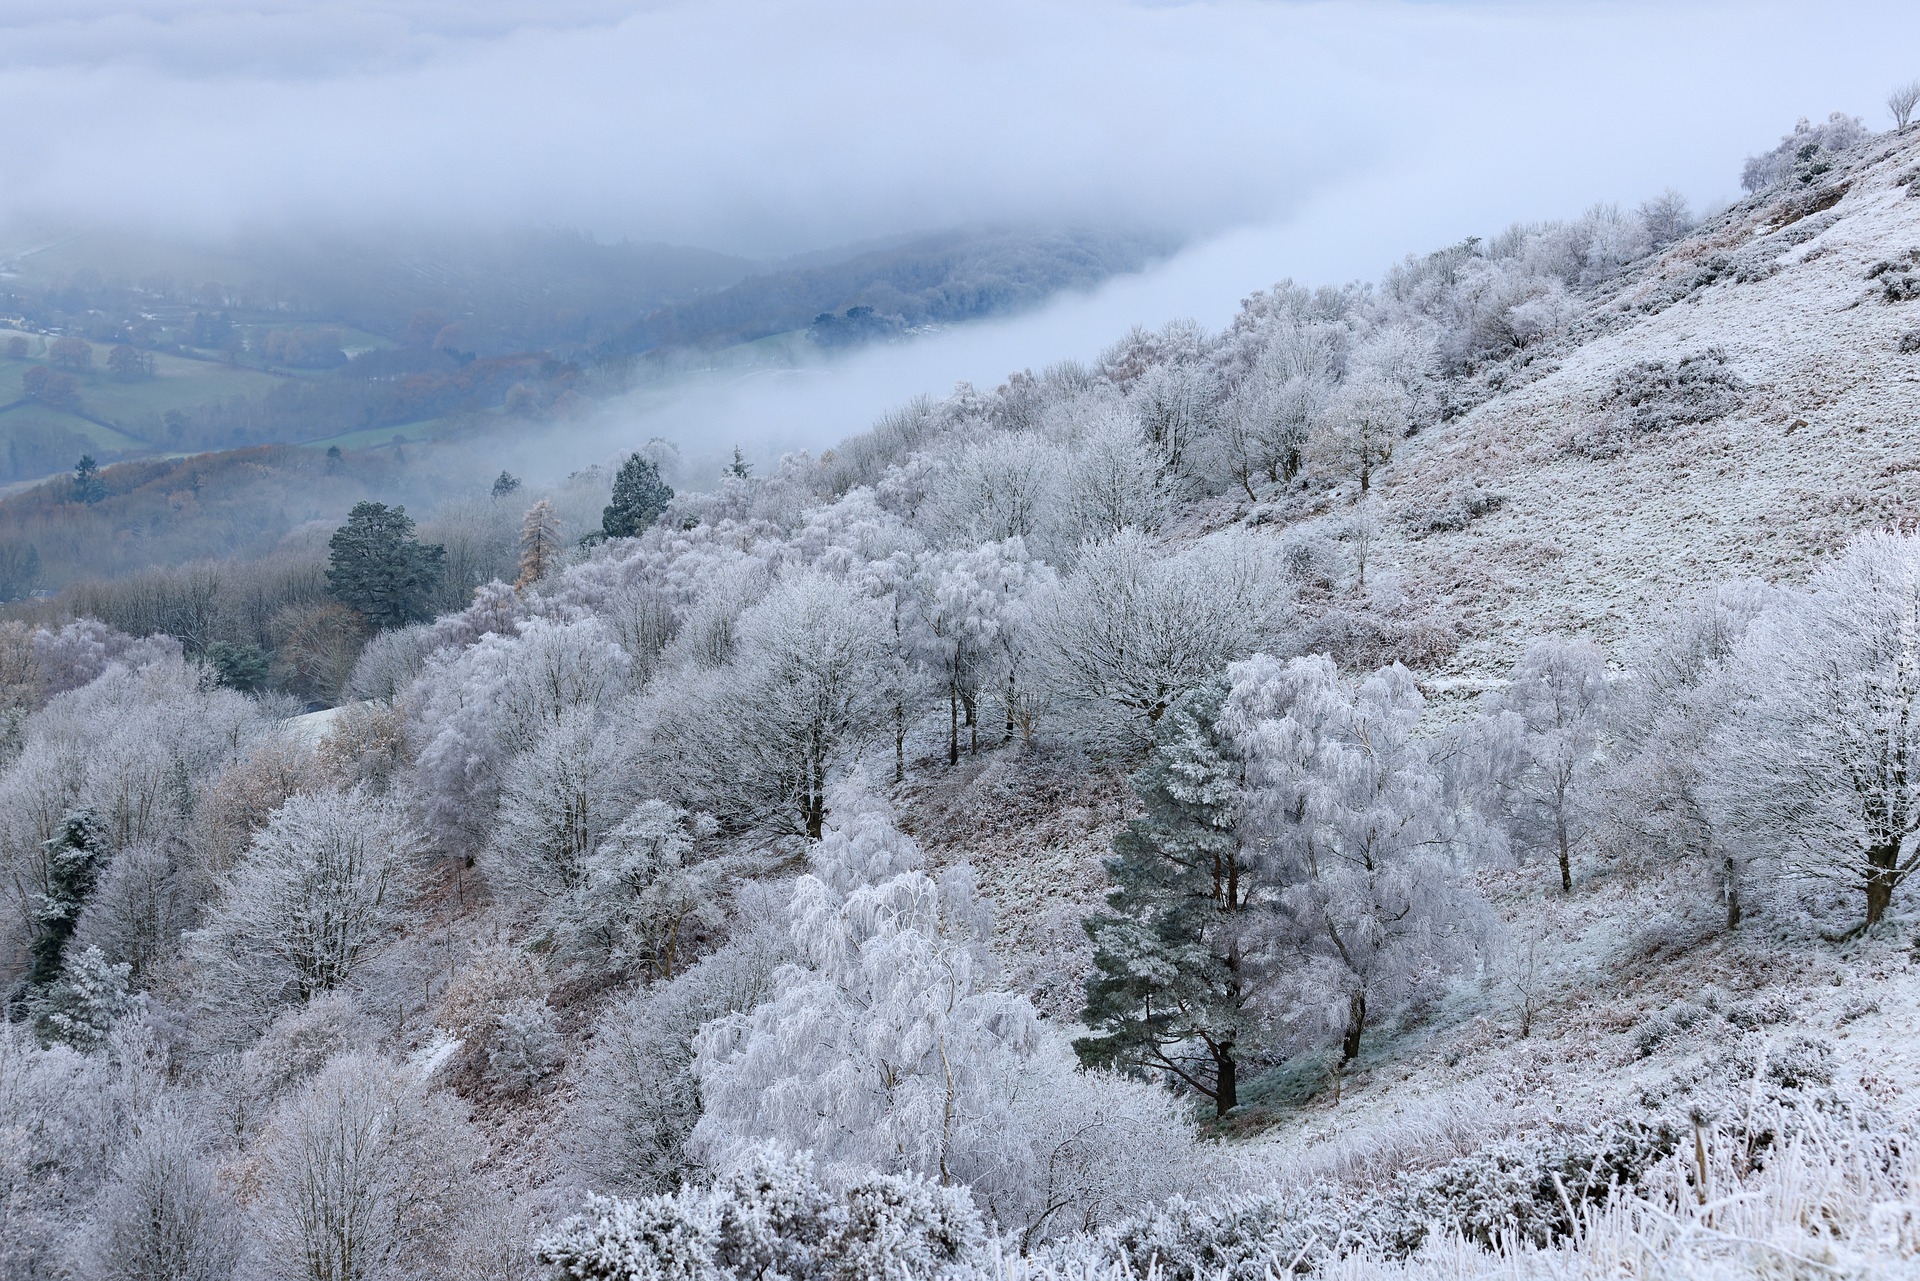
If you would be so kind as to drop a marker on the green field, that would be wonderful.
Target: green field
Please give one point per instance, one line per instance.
(374, 437)
(105, 439)
(178, 383)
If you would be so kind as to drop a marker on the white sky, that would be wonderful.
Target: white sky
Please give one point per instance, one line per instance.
(1318, 140)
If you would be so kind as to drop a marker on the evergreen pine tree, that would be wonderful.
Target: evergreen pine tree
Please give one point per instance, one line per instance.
(1174, 962)
(739, 468)
(75, 857)
(87, 485)
(505, 483)
(381, 570)
(91, 996)
(639, 496)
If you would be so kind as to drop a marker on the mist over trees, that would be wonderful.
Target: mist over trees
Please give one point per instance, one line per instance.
(631, 911)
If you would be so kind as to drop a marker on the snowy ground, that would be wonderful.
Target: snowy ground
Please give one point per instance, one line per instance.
(1825, 444)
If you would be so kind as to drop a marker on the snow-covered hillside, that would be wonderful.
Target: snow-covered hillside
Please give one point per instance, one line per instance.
(1605, 527)
(1319, 797)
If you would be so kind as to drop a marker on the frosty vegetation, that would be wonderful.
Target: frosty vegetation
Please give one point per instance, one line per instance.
(602, 935)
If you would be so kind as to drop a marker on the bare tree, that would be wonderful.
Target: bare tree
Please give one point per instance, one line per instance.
(1901, 102)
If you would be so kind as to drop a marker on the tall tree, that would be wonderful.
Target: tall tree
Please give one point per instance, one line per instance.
(539, 543)
(639, 496)
(87, 485)
(1174, 981)
(1357, 835)
(379, 569)
(1817, 776)
(1545, 733)
(75, 857)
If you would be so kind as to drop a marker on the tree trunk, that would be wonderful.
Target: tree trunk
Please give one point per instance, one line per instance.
(1356, 1023)
(1226, 1089)
(953, 724)
(899, 743)
(1566, 854)
(1881, 860)
(1731, 876)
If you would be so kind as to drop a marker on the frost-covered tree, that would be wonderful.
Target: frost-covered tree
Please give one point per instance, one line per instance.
(1365, 421)
(1682, 690)
(1115, 480)
(1136, 625)
(75, 856)
(163, 1215)
(969, 610)
(559, 800)
(1177, 406)
(888, 1047)
(1818, 772)
(1003, 487)
(644, 894)
(150, 893)
(758, 740)
(63, 1115)
(497, 699)
(1281, 402)
(1901, 100)
(640, 1098)
(540, 549)
(1545, 731)
(319, 888)
(1179, 963)
(365, 1177)
(1353, 825)
(89, 998)
(639, 496)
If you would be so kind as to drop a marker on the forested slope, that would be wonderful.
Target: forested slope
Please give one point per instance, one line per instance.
(1049, 834)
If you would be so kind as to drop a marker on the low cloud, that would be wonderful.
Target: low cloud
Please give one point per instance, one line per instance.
(766, 127)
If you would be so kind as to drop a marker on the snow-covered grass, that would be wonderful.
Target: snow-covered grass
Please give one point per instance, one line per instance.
(1822, 446)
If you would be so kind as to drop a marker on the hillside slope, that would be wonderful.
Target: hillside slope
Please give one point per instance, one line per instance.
(1818, 444)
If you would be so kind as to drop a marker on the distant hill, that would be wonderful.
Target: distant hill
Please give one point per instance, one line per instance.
(938, 279)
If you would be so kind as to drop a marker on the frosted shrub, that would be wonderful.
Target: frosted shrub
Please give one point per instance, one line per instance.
(774, 1216)
(525, 1047)
(1804, 154)
(1457, 512)
(288, 1054)
(1658, 396)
